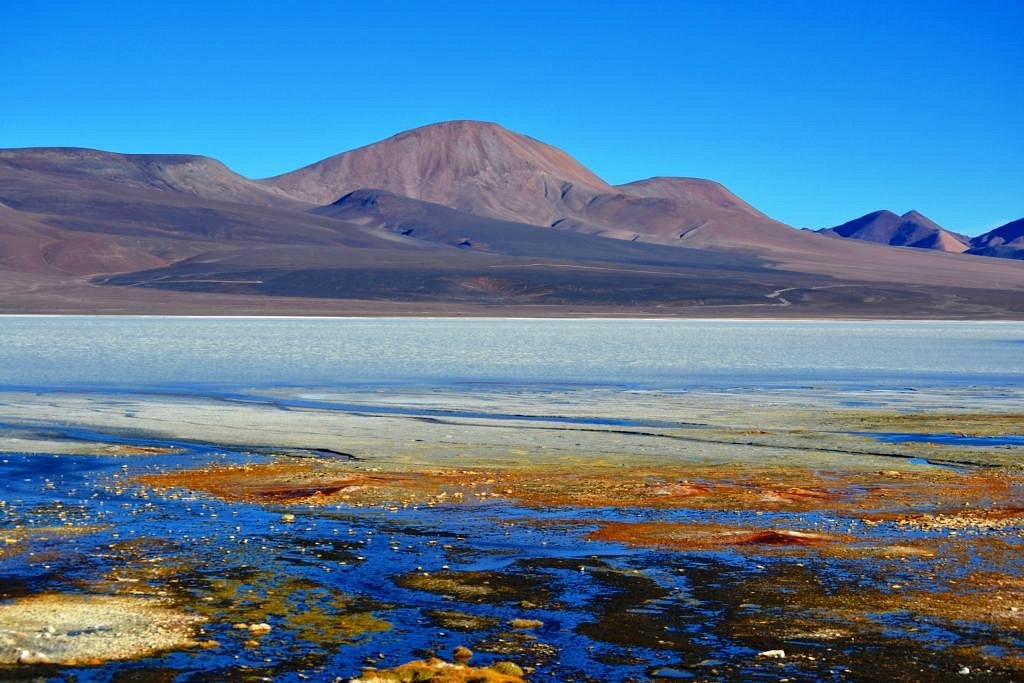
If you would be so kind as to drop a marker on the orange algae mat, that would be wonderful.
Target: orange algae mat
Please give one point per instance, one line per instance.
(908, 494)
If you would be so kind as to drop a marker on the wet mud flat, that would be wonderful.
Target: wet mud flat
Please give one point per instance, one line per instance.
(576, 536)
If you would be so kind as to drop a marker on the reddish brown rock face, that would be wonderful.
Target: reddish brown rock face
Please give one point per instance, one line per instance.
(467, 165)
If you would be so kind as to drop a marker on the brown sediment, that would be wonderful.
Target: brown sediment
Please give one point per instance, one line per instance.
(891, 545)
(480, 586)
(17, 539)
(719, 487)
(90, 629)
(792, 601)
(440, 671)
(519, 645)
(276, 482)
(140, 566)
(678, 536)
(990, 598)
(526, 624)
(322, 482)
(878, 625)
(968, 423)
(124, 449)
(963, 518)
(332, 629)
(461, 621)
(314, 612)
(739, 487)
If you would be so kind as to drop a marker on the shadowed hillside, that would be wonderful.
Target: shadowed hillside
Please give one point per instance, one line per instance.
(912, 229)
(1006, 241)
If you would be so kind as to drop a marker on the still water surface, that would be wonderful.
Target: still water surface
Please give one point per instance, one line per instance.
(144, 352)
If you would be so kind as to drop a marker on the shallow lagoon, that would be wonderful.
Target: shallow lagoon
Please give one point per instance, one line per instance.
(158, 352)
(667, 498)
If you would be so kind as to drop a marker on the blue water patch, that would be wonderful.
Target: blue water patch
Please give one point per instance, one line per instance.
(946, 439)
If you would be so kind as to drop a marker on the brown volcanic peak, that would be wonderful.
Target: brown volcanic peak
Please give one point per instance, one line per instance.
(912, 229)
(180, 173)
(690, 192)
(487, 170)
(686, 212)
(471, 166)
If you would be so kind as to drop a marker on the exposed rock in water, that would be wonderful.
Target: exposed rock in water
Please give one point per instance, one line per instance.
(526, 623)
(440, 671)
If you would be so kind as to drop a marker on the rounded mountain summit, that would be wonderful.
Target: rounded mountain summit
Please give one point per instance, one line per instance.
(485, 169)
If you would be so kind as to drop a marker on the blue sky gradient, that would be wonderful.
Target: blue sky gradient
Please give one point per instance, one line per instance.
(814, 112)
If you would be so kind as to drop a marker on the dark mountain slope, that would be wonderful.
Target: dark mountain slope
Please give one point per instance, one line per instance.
(912, 229)
(1006, 241)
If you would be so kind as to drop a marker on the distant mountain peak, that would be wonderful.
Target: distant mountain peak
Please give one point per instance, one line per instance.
(1006, 241)
(912, 229)
(473, 166)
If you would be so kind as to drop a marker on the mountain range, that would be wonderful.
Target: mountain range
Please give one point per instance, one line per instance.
(913, 229)
(460, 217)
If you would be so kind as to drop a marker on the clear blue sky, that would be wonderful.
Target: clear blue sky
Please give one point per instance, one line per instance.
(816, 112)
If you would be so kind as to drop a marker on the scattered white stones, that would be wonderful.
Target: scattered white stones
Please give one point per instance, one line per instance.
(89, 629)
(30, 657)
(772, 654)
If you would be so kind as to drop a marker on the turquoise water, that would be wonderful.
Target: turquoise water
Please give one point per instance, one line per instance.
(157, 351)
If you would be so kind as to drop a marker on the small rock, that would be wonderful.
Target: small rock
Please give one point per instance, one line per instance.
(288, 518)
(259, 629)
(29, 657)
(710, 662)
(772, 654)
(526, 623)
(508, 669)
(462, 654)
(965, 670)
